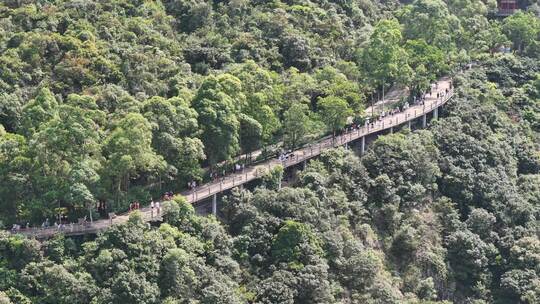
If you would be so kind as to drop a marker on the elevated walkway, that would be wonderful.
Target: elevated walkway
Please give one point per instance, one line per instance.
(388, 123)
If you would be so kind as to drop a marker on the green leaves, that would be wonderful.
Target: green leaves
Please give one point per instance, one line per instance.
(522, 28)
(296, 124)
(128, 150)
(250, 133)
(384, 59)
(430, 20)
(289, 244)
(174, 127)
(218, 101)
(38, 111)
(334, 112)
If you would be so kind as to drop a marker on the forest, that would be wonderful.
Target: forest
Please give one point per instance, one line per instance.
(119, 100)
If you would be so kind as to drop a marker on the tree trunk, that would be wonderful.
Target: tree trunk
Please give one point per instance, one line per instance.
(383, 91)
(90, 212)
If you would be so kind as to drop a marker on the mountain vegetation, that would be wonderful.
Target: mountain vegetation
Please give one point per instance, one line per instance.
(118, 100)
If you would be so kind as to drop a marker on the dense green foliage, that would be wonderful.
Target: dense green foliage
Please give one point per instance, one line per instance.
(120, 100)
(445, 215)
(117, 100)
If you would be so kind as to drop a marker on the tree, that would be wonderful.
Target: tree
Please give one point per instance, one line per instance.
(129, 153)
(4, 299)
(10, 111)
(296, 51)
(177, 278)
(427, 61)
(384, 58)
(334, 112)
(218, 102)
(131, 287)
(522, 29)
(333, 82)
(250, 134)
(296, 124)
(493, 37)
(270, 123)
(294, 243)
(469, 258)
(50, 283)
(431, 21)
(174, 129)
(67, 151)
(38, 111)
(18, 251)
(15, 176)
(273, 179)
(263, 90)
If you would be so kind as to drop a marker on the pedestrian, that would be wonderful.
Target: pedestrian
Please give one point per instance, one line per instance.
(131, 206)
(152, 209)
(158, 208)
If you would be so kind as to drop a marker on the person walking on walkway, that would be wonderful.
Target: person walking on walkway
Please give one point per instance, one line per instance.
(152, 209)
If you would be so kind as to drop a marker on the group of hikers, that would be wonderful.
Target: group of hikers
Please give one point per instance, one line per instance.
(60, 225)
(154, 206)
(420, 98)
(215, 176)
(134, 206)
(285, 155)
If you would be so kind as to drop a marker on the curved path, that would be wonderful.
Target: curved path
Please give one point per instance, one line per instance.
(431, 104)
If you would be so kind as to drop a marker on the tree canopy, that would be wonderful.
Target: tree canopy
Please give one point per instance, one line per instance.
(103, 103)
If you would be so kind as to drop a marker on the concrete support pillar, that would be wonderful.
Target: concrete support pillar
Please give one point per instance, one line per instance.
(214, 204)
(391, 130)
(436, 113)
(410, 126)
(363, 145)
(304, 164)
(424, 121)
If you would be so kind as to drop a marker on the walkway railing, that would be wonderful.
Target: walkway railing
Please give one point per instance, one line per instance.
(87, 227)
